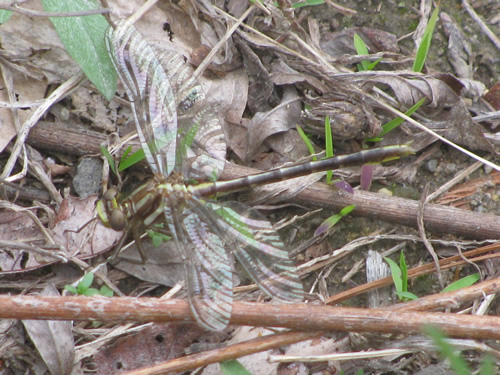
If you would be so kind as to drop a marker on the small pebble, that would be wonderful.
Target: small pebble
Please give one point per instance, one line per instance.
(88, 176)
(432, 165)
(451, 167)
(385, 191)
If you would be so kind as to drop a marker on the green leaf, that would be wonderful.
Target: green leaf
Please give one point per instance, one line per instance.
(396, 275)
(105, 291)
(361, 49)
(91, 292)
(83, 38)
(425, 43)
(157, 238)
(462, 283)
(373, 64)
(307, 3)
(71, 288)
(404, 272)
(109, 158)
(329, 146)
(307, 141)
(86, 281)
(386, 128)
(135, 158)
(406, 296)
(5, 15)
(334, 219)
(233, 367)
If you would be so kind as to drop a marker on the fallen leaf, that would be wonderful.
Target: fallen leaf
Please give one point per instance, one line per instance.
(53, 339)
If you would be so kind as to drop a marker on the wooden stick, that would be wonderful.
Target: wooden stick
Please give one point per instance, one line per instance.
(295, 316)
(437, 218)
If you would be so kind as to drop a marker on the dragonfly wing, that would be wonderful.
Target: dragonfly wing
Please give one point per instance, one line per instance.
(201, 143)
(259, 249)
(150, 93)
(207, 266)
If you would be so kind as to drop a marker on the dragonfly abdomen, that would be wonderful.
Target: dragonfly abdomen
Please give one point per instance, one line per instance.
(376, 155)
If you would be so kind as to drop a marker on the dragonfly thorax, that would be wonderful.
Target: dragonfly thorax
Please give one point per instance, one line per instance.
(144, 203)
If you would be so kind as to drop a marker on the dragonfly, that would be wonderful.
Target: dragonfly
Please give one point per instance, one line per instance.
(184, 143)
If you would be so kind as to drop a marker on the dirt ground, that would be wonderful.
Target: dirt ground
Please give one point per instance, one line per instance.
(438, 205)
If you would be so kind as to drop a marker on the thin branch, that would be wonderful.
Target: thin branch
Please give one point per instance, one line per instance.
(481, 24)
(294, 316)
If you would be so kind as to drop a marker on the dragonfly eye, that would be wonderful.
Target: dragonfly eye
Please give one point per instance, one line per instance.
(110, 194)
(117, 220)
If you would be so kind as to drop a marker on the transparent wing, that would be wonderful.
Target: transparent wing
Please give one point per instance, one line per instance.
(201, 143)
(207, 265)
(150, 93)
(176, 126)
(259, 249)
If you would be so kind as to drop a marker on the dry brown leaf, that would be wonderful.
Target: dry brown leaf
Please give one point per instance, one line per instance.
(53, 339)
(408, 87)
(341, 42)
(261, 87)
(153, 345)
(92, 239)
(162, 265)
(280, 119)
(36, 40)
(229, 94)
(459, 50)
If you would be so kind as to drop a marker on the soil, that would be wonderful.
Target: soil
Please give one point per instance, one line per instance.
(432, 167)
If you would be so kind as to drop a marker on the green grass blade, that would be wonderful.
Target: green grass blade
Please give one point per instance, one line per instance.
(404, 271)
(135, 158)
(334, 219)
(425, 43)
(110, 159)
(307, 141)
(361, 49)
(329, 146)
(307, 3)
(386, 128)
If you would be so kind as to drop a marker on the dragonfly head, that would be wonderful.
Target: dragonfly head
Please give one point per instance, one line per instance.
(110, 212)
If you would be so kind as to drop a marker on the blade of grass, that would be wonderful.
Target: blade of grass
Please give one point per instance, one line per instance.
(131, 160)
(425, 43)
(404, 271)
(109, 158)
(307, 3)
(307, 141)
(329, 146)
(394, 123)
(361, 49)
(334, 219)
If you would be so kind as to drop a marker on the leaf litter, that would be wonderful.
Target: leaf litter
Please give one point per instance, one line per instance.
(260, 117)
